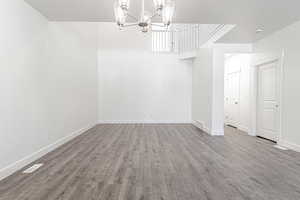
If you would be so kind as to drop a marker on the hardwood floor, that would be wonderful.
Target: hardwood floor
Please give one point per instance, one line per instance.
(160, 162)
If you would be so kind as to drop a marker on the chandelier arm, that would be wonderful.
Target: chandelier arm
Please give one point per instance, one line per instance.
(131, 24)
(143, 21)
(159, 25)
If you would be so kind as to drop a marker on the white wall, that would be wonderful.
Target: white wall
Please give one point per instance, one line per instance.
(22, 51)
(136, 85)
(202, 89)
(286, 40)
(71, 76)
(48, 84)
(218, 91)
(240, 63)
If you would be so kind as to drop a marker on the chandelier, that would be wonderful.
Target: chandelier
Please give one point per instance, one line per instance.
(162, 8)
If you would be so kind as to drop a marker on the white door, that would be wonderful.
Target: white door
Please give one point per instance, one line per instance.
(267, 115)
(232, 99)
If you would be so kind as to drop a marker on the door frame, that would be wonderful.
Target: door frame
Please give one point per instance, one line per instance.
(262, 60)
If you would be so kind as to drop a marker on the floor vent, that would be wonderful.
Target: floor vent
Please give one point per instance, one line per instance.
(263, 138)
(32, 168)
(232, 126)
(280, 147)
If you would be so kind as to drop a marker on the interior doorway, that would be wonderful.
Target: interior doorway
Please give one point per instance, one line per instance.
(237, 91)
(252, 94)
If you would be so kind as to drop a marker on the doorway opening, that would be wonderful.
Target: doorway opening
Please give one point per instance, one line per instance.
(252, 94)
(237, 91)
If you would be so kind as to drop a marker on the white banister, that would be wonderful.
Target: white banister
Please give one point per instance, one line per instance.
(184, 38)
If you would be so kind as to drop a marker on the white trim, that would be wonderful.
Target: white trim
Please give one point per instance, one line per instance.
(188, 55)
(289, 145)
(201, 126)
(143, 122)
(207, 130)
(222, 30)
(243, 128)
(280, 147)
(12, 168)
(281, 75)
(217, 132)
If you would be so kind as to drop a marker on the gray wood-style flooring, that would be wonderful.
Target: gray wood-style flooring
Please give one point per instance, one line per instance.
(160, 162)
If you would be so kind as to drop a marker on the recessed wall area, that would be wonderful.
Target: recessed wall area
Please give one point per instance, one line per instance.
(138, 85)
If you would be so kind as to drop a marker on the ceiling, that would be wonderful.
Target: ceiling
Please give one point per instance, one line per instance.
(248, 15)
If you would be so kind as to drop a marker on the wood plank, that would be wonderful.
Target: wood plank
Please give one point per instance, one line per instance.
(160, 162)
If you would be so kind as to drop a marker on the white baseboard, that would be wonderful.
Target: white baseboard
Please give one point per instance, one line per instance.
(143, 122)
(201, 126)
(9, 170)
(243, 128)
(289, 145)
(252, 134)
(217, 133)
